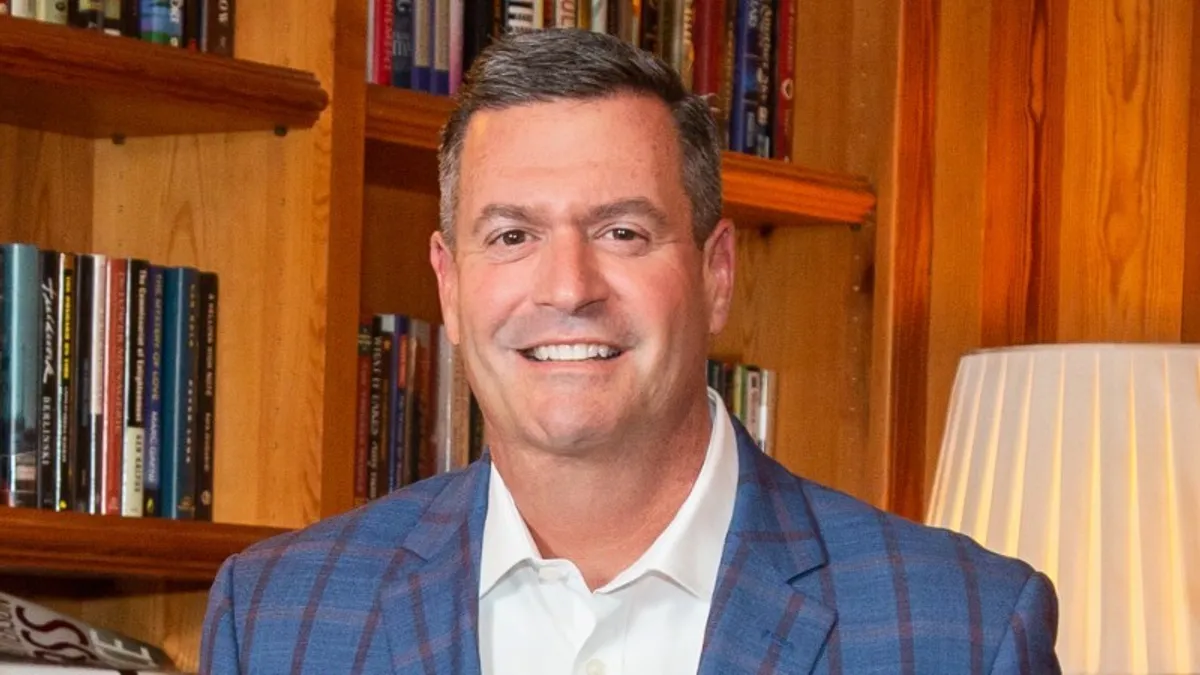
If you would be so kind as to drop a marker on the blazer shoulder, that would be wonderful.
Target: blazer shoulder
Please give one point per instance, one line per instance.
(366, 537)
(853, 531)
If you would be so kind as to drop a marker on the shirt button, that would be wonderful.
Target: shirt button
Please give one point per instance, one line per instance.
(595, 667)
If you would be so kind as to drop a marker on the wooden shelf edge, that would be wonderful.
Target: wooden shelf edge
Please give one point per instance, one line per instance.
(757, 190)
(78, 544)
(89, 63)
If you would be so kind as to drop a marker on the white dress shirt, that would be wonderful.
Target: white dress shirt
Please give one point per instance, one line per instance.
(538, 616)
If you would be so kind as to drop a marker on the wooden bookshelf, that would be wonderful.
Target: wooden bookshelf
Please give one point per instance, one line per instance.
(403, 128)
(84, 83)
(109, 546)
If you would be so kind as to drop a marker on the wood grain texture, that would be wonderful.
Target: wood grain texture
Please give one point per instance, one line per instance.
(84, 83)
(961, 149)
(1190, 325)
(106, 546)
(756, 191)
(908, 314)
(1025, 135)
(802, 307)
(167, 614)
(396, 275)
(344, 259)
(45, 189)
(1124, 193)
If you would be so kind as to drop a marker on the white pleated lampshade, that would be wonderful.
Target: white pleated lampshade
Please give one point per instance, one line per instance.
(1084, 460)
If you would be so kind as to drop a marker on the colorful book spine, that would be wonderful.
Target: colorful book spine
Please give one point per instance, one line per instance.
(51, 11)
(520, 15)
(133, 456)
(785, 69)
(153, 401)
(206, 417)
(178, 463)
(66, 484)
(456, 45)
(114, 394)
(19, 382)
(161, 21)
(48, 365)
(377, 453)
(384, 20)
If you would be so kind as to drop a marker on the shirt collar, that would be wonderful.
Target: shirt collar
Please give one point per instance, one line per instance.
(688, 551)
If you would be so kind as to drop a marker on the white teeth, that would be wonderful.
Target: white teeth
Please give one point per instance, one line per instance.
(580, 352)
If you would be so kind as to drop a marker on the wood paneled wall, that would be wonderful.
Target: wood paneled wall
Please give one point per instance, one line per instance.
(1059, 195)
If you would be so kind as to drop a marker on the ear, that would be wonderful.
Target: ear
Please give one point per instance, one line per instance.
(441, 257)
(719, 257)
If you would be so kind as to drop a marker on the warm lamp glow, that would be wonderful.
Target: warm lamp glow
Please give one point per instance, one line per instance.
(1084, 460)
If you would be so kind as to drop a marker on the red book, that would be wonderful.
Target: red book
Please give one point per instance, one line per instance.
(785, 69)
(708, 23)
(114, 394)
(383, 41)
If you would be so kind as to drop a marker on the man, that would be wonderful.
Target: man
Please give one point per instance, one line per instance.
(621, 522)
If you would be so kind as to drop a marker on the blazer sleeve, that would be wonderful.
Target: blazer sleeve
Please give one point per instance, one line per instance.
(1027, 647)
(219, 639)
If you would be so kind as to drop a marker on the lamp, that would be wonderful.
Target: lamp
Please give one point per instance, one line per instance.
(1084, 461)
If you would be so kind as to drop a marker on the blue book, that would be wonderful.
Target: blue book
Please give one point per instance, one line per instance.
(152, 393)
(399, 381)
(177, 464)
(20, 384)
(748, 132)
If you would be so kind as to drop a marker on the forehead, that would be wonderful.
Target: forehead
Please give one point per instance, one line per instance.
(609, 145)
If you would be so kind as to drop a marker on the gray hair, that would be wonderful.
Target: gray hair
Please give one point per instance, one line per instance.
(556, 64)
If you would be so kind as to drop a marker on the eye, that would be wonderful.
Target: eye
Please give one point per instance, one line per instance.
(623, 234)
(513, 238)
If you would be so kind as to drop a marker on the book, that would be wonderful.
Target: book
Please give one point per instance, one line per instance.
(20, 384)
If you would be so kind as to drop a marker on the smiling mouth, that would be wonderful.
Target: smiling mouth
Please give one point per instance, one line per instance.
(567, 353)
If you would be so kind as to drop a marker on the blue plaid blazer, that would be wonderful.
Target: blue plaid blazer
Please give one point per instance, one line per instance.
(811, 581)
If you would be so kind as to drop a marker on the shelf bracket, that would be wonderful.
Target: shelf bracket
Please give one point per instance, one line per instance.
(281, 130)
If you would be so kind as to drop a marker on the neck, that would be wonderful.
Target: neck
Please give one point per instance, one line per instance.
(603, 510)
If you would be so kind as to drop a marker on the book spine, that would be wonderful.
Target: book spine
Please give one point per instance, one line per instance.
(476, 432)
(598, 21)
(155, 19)
(48, 361)
(19, 383)
(384, 20)
(402, 44)
(82, 387)
(519, 16)
(193, 24)
(87, 14)
(362, 422)
(133, 458)
(649, 33)
(764, 79)
(399, 402)
(51, 11)
(421, 387)
(21, 8)
(456, 45)
(375, 445)
(178, 480)
(114, 395)
(154, 393)
(206, 418)
(727, 48)
(422, 71)
(65, 442)
(785, 70)
(218, 27)
(131, 21)
(441, 47)
(767, 411)
(478, 28)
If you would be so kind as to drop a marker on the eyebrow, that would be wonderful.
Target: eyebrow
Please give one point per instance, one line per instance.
(621, 208)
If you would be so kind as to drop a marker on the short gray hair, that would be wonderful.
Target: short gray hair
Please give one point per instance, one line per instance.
(557, 64)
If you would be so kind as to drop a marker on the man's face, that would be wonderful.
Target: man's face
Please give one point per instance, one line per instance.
(576, 292)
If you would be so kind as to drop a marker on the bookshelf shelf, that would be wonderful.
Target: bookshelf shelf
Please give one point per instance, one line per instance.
(110, 546)
(83, 83)
(757, 191)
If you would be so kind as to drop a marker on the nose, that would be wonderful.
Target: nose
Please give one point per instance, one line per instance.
(569, 277)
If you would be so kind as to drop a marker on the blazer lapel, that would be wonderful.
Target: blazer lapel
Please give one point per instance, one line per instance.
(430, 598)
(760, 620)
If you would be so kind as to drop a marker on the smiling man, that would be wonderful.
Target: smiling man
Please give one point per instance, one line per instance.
(621, 521)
